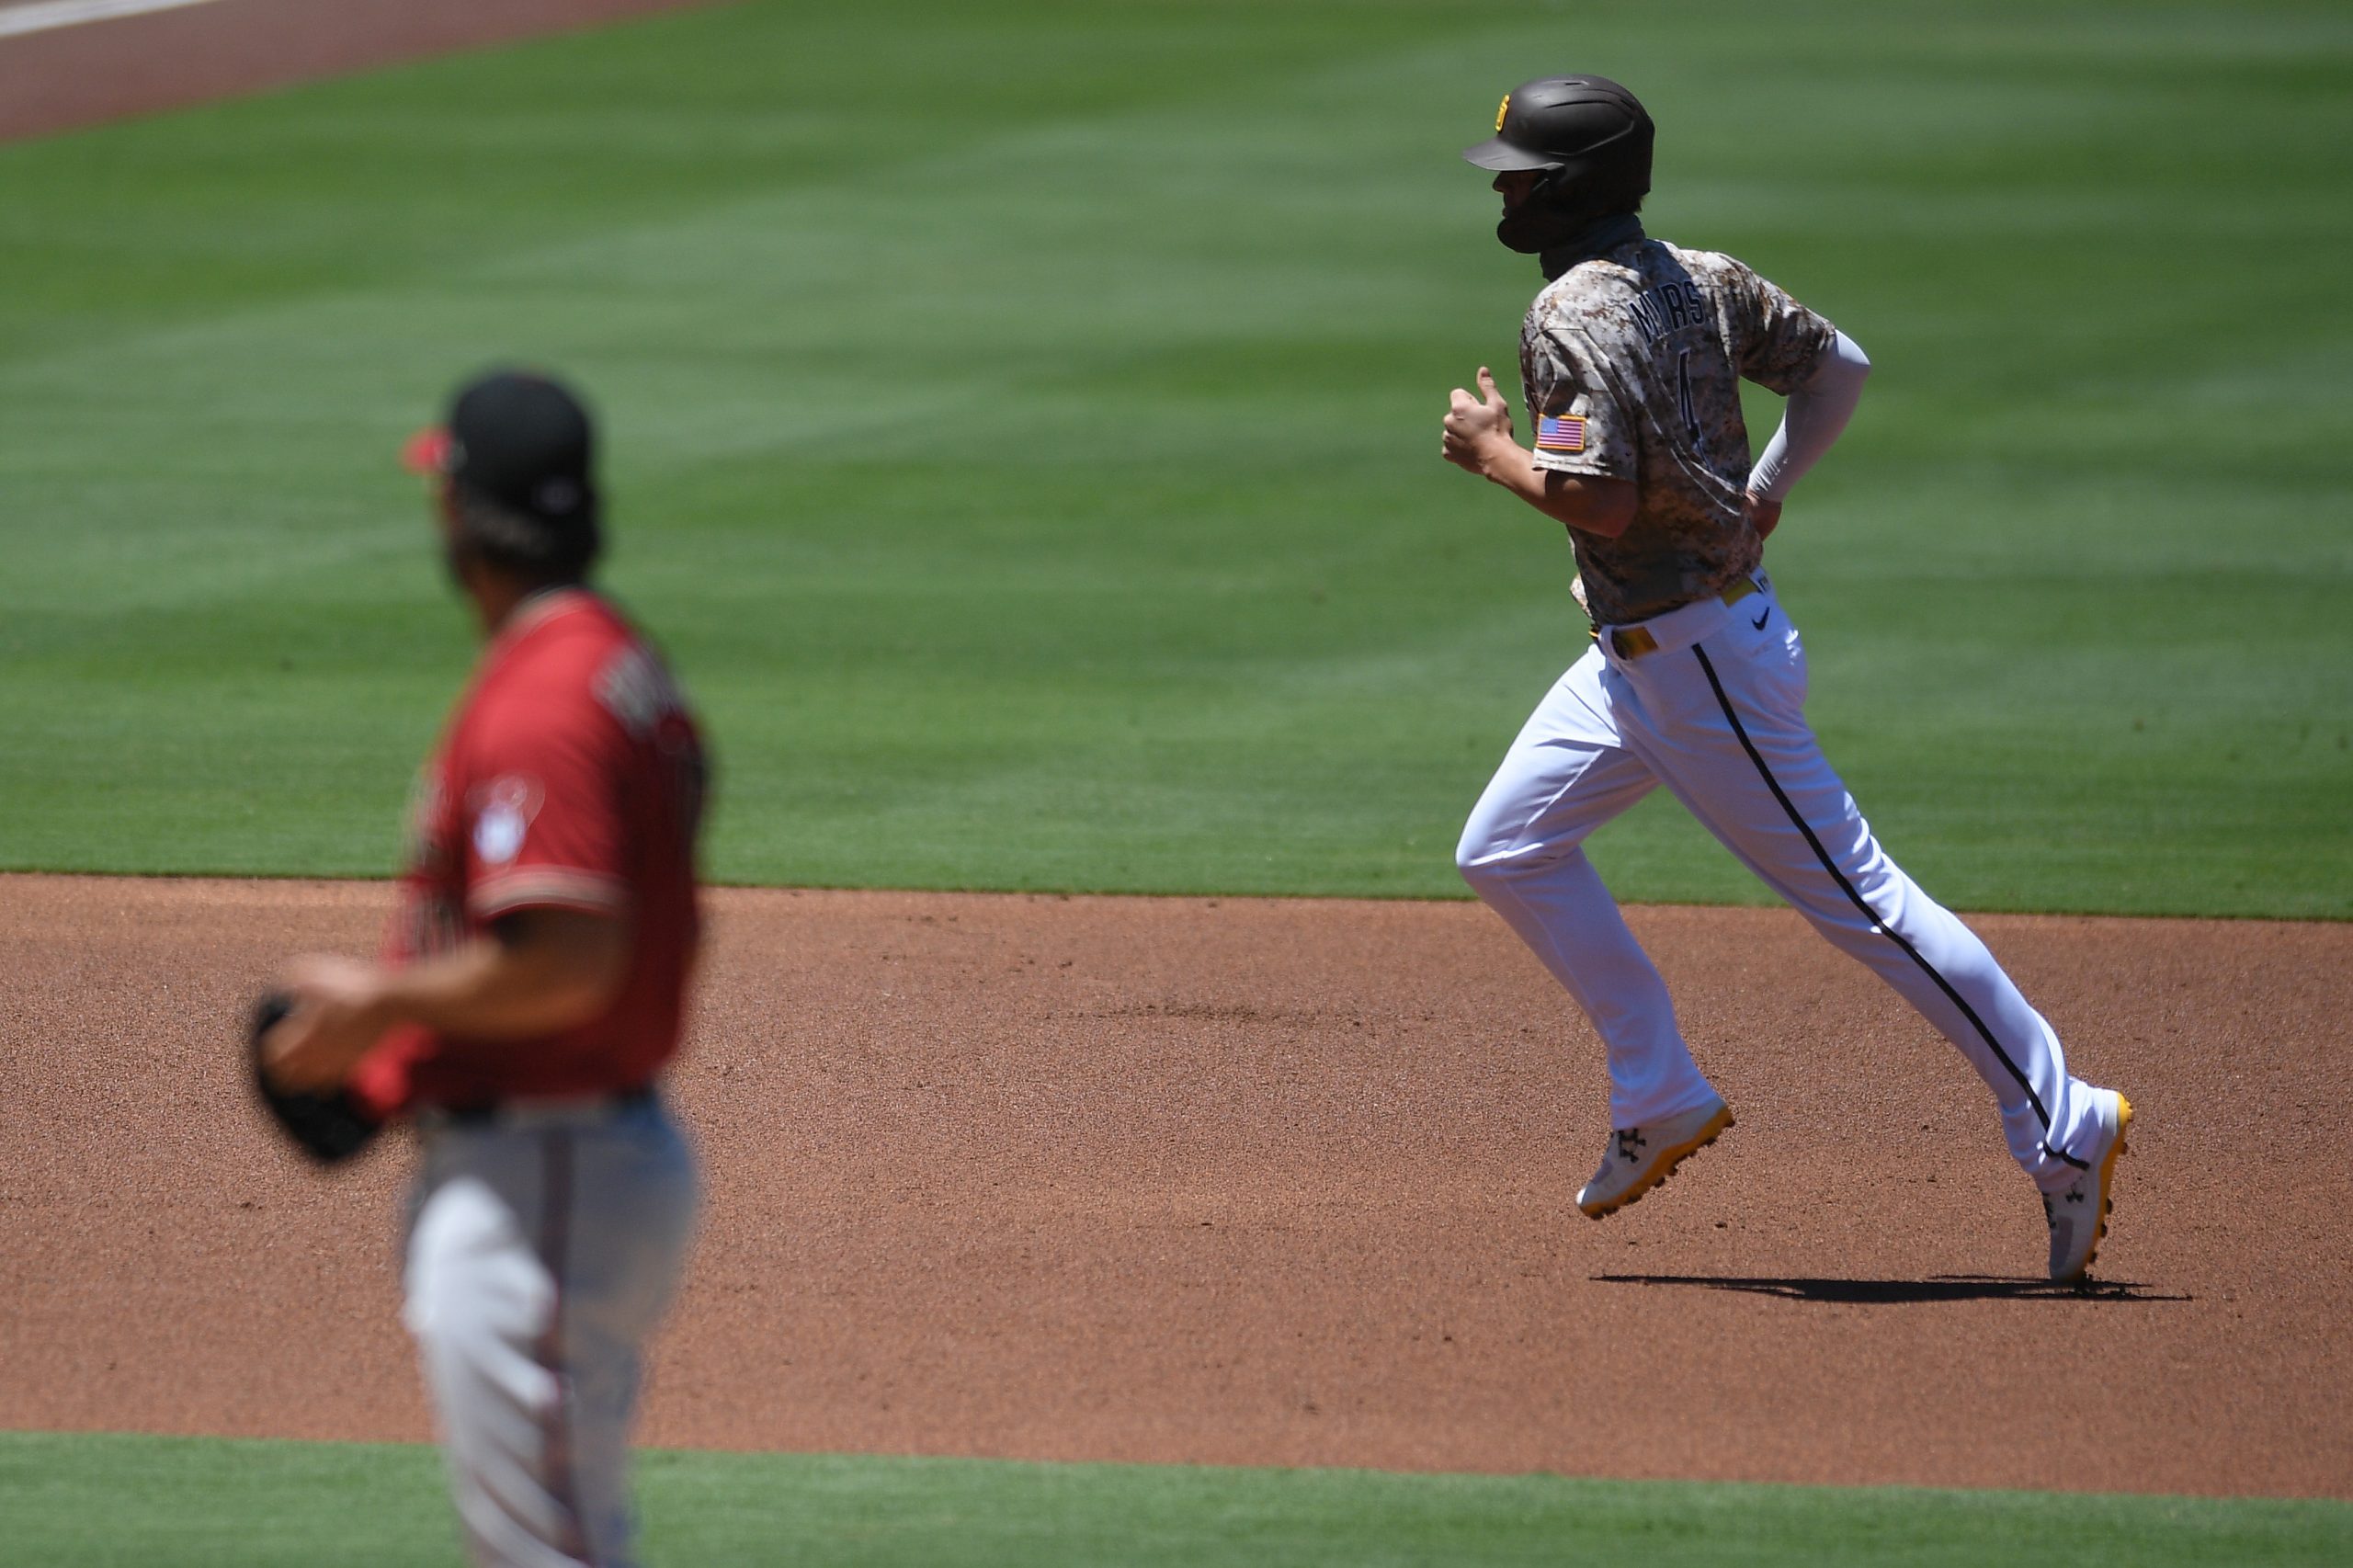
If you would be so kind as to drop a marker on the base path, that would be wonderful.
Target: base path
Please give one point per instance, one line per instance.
(62, 77)
(1258, 1182)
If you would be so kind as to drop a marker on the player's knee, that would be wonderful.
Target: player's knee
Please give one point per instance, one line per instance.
(449, 1330)
(1491, 862)
(1467, 850)
(1475, 857)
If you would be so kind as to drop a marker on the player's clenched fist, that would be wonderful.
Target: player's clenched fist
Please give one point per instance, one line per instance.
(1476, 425)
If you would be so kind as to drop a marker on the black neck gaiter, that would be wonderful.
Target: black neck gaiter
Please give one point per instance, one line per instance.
(1597, 237)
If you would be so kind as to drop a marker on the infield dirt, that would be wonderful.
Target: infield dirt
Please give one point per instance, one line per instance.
(1260, 1182)
(97, 71)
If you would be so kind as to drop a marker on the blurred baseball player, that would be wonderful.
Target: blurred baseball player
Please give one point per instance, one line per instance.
(533, 990)
(1630, 360)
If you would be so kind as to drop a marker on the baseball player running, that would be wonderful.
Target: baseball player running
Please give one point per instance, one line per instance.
(533, 988)
(1630, 360)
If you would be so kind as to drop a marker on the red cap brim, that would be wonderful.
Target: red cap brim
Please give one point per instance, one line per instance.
(428, 451)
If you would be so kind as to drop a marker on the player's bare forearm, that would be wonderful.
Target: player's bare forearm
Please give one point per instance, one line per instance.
(1588, 503)
(1478, 438)
(541, 971)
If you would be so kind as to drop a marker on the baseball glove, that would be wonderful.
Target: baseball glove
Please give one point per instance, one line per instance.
(328, 1128)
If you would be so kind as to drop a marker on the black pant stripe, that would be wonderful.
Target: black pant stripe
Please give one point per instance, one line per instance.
(1724, 700)
(556, 1166)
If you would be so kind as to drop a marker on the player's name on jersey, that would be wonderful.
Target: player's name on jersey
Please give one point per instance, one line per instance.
(1670, 307)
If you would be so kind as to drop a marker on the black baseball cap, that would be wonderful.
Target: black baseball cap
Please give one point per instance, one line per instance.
(517, 439)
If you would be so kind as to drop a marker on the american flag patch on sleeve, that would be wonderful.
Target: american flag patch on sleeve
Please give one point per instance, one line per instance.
(1559, 432)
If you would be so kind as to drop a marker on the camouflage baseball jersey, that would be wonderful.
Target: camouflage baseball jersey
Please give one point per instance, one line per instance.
(1632, 361)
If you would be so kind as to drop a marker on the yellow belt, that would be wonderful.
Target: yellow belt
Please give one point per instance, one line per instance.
(1633, 642)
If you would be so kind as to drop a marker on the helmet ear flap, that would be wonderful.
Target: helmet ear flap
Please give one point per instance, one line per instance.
(1557, 185)
(1589, 185)
(1566, 191)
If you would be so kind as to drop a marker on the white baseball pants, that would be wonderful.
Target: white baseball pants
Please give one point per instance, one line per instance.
(542, 1248)
(1716, 714)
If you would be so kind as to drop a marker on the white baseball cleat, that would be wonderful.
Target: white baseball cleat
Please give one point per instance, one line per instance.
(1639, 1158)
(2077, 1213)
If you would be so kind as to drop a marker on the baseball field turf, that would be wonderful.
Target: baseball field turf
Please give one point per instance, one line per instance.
(1023, 431)
(271, 1504)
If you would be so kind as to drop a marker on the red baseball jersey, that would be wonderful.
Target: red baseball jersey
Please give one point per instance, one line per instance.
(571, 777)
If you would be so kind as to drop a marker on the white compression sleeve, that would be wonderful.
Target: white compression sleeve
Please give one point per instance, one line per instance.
(1816, 413)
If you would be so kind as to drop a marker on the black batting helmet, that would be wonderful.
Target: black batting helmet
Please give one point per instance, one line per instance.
(1592, 136)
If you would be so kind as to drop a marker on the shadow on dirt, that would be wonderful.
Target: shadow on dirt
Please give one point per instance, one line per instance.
(1905, 1292)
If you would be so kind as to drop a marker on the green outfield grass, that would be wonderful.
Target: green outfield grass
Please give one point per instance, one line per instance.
(1024, 435)
(84, 1501)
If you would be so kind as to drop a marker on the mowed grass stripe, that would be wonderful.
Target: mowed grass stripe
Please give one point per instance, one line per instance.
(87, 1500)
(1030, 463)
